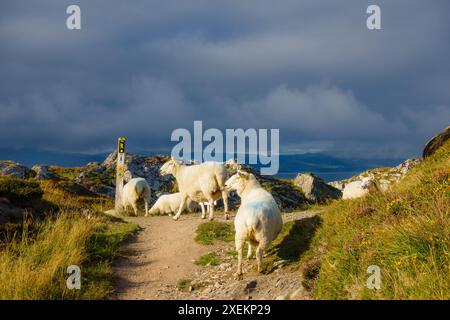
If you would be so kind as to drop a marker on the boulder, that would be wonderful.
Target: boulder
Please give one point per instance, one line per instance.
(436, 142)
(315, 188)
(43, 173)
(16, 170)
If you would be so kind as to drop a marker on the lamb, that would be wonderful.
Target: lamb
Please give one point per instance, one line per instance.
(357, 189)
(258, 220)
(199, 182)
(169, 203)
(134, 190)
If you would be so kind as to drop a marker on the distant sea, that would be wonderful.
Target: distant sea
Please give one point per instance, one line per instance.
(326, 166)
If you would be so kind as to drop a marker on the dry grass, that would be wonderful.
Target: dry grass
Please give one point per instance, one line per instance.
(35, 254)
(33, 267)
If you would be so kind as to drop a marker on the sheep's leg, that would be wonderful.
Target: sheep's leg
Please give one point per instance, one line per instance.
(225, 204)
(249, 252)
(211, 209)
(203, 210)
(259, 256)
(239, 248)
(135, 209)
(146, 207)
(181, 208)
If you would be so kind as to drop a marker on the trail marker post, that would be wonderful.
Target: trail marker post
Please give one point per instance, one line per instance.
(119, 174)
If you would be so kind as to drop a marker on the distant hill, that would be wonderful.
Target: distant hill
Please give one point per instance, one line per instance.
(324, 165)
(30, 157)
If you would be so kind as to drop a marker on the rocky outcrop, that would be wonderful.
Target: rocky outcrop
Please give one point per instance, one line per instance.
(16, 170)
(100, 178)
(42, 172)
(436, 142)
(315, 188)
(287, 195)
(383, 177)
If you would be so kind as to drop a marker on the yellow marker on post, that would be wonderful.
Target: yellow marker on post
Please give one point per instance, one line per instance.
(119, 174)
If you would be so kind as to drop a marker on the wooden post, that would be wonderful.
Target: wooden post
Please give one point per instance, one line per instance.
(119, 174)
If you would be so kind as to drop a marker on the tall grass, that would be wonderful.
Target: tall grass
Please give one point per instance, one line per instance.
(32, 266)
(405, 231)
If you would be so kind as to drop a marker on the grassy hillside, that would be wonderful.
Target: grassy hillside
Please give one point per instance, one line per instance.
(406, 232)
(65, 227)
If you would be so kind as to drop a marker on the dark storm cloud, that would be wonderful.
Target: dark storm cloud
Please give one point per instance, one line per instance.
(310, 68)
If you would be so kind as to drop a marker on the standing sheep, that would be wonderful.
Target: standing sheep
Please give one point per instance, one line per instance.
(258, 220)
(199, 182)
(169, 203)
(134, 190)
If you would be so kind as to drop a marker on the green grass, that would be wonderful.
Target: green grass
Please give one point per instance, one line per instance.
(210, 259)
(210, 231)
(293, 240)
(66, 173)
(404, 231)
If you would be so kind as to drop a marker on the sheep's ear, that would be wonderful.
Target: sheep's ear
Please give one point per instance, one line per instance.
(242, 174)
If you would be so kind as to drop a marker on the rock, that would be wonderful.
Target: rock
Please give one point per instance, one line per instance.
(43, 173)
(250, 286)
(100, 178)
(337, 184)
(286, 194)
(436, 142)
(383, 177)
(16, 170)
(404, 167)
(224, 266)
(316, 189)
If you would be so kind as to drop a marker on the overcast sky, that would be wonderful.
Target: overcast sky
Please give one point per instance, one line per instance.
(144, 68)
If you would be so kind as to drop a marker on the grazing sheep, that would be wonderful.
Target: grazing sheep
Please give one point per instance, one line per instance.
(134, 190)
(258, 220)
(357, 189)
(199, 182)
(169, 203)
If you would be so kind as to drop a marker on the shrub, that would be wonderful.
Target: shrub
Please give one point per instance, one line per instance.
(20, 192)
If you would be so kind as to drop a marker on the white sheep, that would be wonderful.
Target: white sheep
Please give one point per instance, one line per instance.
(169, 203)
(134, 190)
(199, 182)
(258, 220)
(357, 189)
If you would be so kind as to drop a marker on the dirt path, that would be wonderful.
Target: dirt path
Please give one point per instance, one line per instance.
(162, 252)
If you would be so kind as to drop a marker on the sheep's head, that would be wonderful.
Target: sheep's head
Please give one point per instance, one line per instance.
(239, 181)
(233, 165)
(169, 167)
(127, 176)
(368, 183)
